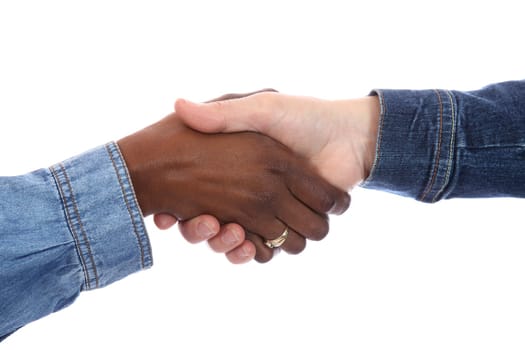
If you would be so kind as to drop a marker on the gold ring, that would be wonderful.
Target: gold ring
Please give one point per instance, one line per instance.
(277, 242)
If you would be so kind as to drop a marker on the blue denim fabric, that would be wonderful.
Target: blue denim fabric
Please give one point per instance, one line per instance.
(437, 144)
(73, 227)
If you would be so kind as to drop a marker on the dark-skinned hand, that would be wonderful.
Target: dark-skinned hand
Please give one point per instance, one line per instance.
(246, 178)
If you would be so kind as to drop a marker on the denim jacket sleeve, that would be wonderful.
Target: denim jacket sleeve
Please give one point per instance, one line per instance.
(73, 227)
(437, 144)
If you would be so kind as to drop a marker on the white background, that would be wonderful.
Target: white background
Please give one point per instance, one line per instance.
(393, 273)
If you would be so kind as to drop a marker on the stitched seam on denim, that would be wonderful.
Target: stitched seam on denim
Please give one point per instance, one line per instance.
(128, 207)
(125, 167)
(82, 229)
(491, 146)
(71, 227)
(377, 157)
(438, 150)
(451, 150)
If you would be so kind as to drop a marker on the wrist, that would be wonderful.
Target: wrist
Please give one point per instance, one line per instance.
(367, 121)
(358, 128)
(147, 153)
(129, 148)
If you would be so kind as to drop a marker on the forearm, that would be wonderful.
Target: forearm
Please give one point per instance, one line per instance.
(435, 144)
(73, 227)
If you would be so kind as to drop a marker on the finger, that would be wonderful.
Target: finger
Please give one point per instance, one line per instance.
(252, 113)
(164, 221)
(230, 236)
(263, 254)
(295, 243)
(303, 220)
(234, 96)
(200, 228)
(242, 254)
(317, 193)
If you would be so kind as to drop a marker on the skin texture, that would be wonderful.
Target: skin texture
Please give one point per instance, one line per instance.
(229, 239)
(337, 137)
(246, 178)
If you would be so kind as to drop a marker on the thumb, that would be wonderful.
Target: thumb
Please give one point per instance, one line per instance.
(220, 116)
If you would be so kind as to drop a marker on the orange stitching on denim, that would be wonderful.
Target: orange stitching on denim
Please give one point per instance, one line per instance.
(128, 207)
(124, 166)
(82, 229)
(451, 150)
(438, 150)
(71, 226)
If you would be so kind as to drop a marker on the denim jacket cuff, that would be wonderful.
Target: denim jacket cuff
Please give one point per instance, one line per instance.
(415, 150)
(103, 215)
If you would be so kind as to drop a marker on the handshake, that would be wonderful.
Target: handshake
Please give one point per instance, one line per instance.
(253, 173)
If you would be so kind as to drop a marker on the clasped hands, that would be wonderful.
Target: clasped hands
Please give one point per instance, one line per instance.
(245, 192)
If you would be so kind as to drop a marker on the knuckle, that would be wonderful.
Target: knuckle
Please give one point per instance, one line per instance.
(263, 256)
(270, 100)
(318, 229)
(265, 98)
(326, 202)
(341, 204)
(262, 253)
(345, 203)
(296, 247)
(266, 199)
(279, 166)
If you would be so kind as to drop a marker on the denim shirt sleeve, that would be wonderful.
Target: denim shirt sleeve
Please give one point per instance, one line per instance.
(73, 227)
(437, 144)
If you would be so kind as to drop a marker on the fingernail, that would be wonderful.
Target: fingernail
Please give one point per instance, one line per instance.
(203, 230)
(245, 252)
(230, 237)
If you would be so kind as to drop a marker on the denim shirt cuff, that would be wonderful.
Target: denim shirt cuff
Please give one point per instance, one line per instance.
(103, 215)
(415, 150)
